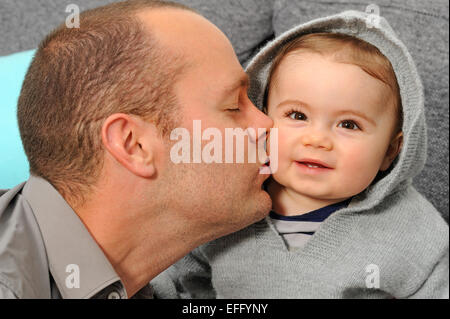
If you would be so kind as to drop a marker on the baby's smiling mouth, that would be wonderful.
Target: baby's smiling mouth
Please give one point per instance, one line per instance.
(312, 163)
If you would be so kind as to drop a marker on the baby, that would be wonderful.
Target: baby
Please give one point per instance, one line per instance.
(336, 104)
(346, 221)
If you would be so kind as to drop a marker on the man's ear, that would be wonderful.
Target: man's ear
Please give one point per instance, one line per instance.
(393, 150)
(130, 140)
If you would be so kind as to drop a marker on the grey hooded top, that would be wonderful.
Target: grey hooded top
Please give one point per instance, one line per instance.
(389, 230)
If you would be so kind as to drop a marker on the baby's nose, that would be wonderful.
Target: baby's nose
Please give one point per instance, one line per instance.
(317, 139)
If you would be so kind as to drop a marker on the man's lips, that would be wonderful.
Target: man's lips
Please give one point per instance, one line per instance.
(313, 163)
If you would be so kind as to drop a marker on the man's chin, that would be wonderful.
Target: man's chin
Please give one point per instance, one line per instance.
(262, 205)
(252, 211)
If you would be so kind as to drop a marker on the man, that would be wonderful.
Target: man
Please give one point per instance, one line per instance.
(105, 209)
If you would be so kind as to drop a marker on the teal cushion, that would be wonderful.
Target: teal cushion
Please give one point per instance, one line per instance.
(13, 162)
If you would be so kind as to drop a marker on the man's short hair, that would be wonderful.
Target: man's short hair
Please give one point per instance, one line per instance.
(79, 77)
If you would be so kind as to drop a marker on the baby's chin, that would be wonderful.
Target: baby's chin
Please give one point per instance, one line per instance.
(326, 194)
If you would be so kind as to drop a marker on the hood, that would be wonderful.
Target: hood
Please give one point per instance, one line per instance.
(412, 157)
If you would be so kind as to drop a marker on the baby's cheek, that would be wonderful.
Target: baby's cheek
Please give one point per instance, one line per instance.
(283, 149)
(360, 165)
(282, 141)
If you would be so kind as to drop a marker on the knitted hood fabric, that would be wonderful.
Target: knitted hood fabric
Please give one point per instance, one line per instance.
(376, 31)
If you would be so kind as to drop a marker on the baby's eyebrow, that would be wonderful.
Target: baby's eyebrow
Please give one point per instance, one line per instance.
(296, 102)
(357, 113)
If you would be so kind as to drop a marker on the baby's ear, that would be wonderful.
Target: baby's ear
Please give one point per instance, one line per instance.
(393, 150)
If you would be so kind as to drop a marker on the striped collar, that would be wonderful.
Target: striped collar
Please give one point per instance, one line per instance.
(318, 215)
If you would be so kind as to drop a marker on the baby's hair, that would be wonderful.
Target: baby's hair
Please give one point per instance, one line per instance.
(343, 49)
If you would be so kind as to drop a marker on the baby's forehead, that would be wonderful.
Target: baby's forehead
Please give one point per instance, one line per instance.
(306, 73)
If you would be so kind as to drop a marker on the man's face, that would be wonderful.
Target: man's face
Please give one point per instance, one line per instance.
(333, 115)
(213, 89)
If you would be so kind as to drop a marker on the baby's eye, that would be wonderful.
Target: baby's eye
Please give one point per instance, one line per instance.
(348, 124)
(298, 116)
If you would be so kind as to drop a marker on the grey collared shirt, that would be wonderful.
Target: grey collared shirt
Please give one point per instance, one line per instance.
(47, 252)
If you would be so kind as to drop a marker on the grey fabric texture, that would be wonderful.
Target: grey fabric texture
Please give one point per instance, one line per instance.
(422, 25)
(24, 23)
(388, 227)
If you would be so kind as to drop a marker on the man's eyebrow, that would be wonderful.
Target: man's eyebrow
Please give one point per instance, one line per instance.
(243, 81)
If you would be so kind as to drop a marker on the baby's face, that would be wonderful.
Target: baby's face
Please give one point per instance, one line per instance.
(335, 123)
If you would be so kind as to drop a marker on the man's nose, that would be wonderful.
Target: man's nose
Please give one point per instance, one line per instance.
(260, 123)
(316, 138)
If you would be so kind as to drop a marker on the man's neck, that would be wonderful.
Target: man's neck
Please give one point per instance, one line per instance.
(287, 202)
(139, 245)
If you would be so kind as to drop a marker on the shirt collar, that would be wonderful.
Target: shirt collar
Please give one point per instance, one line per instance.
(318, 215)
(69, 245)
